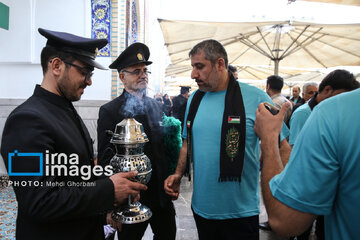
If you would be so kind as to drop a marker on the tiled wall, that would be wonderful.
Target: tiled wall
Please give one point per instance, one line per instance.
(100, 23)
(118, 40)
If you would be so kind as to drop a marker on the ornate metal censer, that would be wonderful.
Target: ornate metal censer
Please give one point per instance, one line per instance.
(129, 139)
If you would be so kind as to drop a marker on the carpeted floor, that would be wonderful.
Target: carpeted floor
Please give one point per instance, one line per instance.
(8, 210)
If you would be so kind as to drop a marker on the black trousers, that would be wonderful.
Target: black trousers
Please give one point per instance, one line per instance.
(320, 228)
(229, 229)
(162, 224)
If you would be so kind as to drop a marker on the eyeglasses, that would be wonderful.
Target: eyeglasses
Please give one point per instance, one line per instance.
(138, 72)
(85, 71)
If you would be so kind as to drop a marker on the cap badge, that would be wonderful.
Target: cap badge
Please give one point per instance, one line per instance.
(96, 52)
(140, 56)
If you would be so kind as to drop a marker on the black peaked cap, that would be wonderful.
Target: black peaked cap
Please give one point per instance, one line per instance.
(134, 54)
(83, 49)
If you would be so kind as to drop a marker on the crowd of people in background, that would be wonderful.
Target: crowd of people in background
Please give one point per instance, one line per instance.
(293, 112)
(174, 105)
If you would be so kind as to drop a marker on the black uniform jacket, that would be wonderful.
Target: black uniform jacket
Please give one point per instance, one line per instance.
(47, 123)
(179, 107)
(149, 114)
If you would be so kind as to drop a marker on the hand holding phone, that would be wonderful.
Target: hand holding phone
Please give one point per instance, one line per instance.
(274, 110)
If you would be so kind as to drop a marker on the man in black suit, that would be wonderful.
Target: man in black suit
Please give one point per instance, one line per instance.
(179, 104)
(133, 103)
(49, 155)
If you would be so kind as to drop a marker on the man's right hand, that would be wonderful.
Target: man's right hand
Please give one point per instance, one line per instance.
(268, 125)
(124, 186)
(172, 186)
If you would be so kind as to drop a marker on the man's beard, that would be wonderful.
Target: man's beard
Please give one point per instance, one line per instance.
(66, 91)
(210, 85)
(143, 91)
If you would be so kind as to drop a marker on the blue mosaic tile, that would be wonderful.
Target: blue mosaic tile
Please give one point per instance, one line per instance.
(133, 30)
(100, 23)
(8, 211)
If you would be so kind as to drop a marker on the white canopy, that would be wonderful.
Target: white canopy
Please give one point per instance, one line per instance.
(285, 44)
(346, 2)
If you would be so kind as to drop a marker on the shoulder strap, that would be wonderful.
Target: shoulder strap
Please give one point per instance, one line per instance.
(194, 105)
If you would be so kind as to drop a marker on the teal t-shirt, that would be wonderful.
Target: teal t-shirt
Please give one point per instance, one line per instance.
(323, 173)
(223, 200)
(297, 121)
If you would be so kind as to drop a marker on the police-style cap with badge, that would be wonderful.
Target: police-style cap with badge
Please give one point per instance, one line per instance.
(83, 49)
(134, 54)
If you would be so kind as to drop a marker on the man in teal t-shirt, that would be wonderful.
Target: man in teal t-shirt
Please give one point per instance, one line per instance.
(297, 121)
(323, 171)
(224, 146)
(336, 82)
(222, 200)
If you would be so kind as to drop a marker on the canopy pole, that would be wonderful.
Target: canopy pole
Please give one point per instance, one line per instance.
(276, 67)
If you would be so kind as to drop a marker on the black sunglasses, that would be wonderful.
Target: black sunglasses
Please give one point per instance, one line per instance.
(85, 71)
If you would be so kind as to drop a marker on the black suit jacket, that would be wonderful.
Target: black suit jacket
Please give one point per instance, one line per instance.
(298, 104)
(179, 108)
(47, 123)
(149, 114)
(300, 100)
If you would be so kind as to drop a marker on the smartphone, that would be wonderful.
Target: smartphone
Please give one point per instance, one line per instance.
(274, 110)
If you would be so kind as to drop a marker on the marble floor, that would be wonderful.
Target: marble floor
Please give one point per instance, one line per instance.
(186, 229)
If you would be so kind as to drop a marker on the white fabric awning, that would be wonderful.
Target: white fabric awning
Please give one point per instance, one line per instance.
(277, 45)
(345, 2)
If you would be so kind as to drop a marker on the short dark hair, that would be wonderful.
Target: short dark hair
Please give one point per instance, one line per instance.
(232, 68)
(275, 82)
(184, 90)
(339, 79)
(50, 52)
(213, 51)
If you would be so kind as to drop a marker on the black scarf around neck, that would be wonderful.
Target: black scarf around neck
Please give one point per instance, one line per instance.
(233, 131)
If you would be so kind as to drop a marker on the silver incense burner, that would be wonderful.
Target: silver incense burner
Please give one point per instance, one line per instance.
(129, 139)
